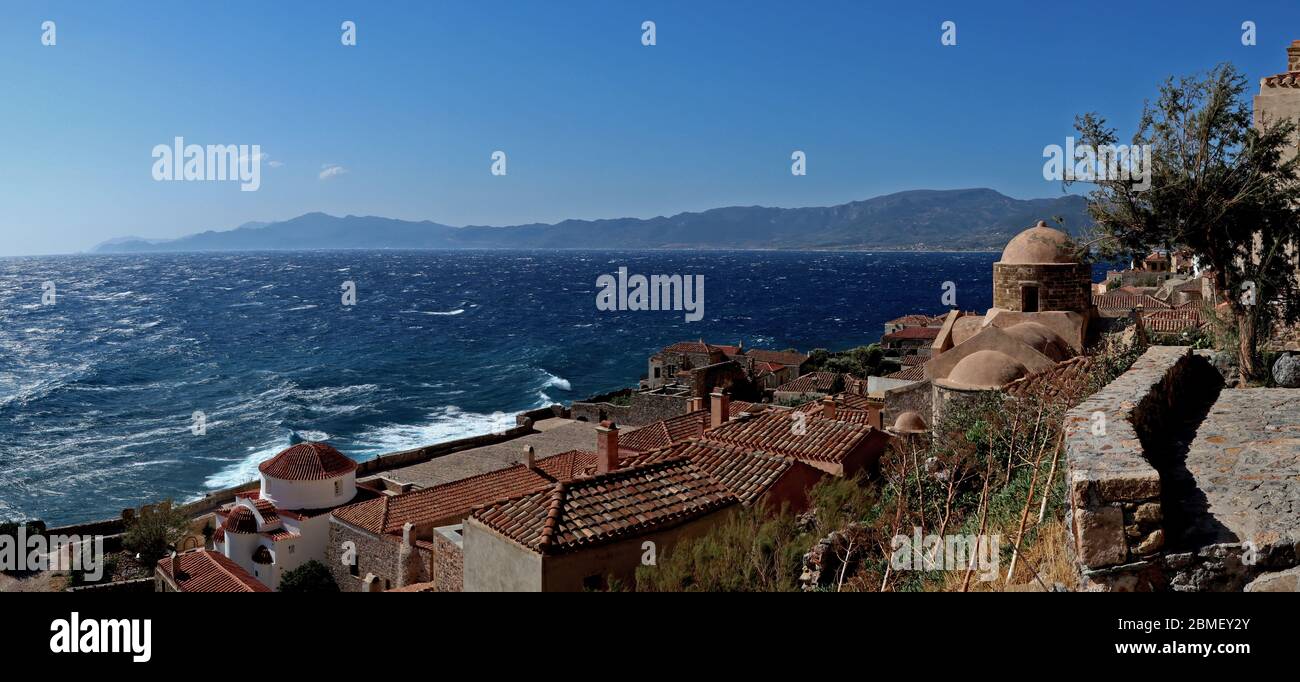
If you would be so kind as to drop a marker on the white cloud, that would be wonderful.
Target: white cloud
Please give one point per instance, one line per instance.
(330, 170)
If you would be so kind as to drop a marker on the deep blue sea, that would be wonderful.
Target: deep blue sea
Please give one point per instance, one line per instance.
(97, 391)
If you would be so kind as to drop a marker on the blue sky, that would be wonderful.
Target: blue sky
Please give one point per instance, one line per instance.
(594, 123)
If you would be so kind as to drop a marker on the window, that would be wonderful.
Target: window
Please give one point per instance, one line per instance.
(337, 487)
(291, 549)
(657, 369)
(1029, 298)
(593, 583)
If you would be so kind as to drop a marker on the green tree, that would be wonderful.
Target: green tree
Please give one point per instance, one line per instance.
(1220, 186)
(312, 576)
(155, 532)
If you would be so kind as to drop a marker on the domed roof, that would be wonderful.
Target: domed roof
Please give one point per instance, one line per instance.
(986, 369)
(909, 422)
(1039, 244)
(965, 327)
(307, 462)
(240, 520)
(1041, 338)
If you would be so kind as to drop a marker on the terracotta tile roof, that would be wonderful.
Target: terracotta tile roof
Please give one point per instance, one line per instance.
(913, 373)
(307, 462)
(917, 320)
(913, 359)
(1127, 300)
(449, 501)
(824, 441)
(666, 432)
(267, 510)
(858, 402)
(913, 334)
(567, 465)
(625, 503)
(690, 347)
(1067, 378)
(746, 473)
(1173, 321)
(280, 534)
(240, 520)
(1290, 79)
(203, 570)
(843, 413)
(777, 357)
(814, 382)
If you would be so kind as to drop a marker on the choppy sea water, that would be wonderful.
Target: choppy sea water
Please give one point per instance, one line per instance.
(98, 391)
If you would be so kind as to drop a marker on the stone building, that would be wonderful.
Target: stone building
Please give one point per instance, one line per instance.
(1039, 271)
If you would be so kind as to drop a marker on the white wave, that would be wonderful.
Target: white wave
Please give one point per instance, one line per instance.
(457, 311)
(553, 381)
(245, 470)
(301, 307)
(449, 423)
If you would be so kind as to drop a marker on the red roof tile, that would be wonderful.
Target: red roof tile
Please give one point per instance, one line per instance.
(913, 373)
(203, 570)
(666, 432)
(307, 462)
(824, 440)
(776, 357)
(240, 520)
(814, 382)
(624, 503)
(746, 473)
(913, 334)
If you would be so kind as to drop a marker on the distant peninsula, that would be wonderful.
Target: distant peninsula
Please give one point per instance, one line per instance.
(916, 220)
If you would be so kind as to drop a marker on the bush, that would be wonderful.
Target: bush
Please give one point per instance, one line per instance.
(309, 577)
(155, 532)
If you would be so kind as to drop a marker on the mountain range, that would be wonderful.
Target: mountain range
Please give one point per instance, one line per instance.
(961, 219)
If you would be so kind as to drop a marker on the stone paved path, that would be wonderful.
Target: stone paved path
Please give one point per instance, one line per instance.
(1245, 467)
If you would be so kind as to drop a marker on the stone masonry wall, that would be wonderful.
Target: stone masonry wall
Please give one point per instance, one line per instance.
(1063, 286)
(1114, 514)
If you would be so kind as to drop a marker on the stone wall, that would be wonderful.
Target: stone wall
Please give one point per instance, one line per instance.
(915, 397)
(1061, 286)
(376, 555)
(645, 408)
(448, 564)
(1114, 511)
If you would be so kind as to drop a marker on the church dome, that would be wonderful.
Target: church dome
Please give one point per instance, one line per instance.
(308, 462)
(986, 369)
(1039, 245)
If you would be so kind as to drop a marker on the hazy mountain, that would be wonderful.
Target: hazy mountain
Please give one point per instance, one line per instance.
(918, 219)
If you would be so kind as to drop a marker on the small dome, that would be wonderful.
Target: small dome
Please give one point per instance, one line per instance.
(308, 462)
(909, 422)
(986, 369)
(262, 555)
(240, 520)
(1039, 245)
(1041, 338)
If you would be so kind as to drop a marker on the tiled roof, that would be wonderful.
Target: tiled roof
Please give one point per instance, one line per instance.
(843, 413)
(307, 462)
(624, 503)
(913, 359)
(913, 334)
(690, 347)
(1290, 79)
(824, 440)
(812, 382)
(1064, 378)
(566, 465)
(918, 320)
(1126, 300)
(666, 432)
(204, 570)
(746, 473)
(913, 373)
(240, 520)
(267, 510)
(280, 534)
(416, 587)
(388, 514)
(1173, 321)
(779, 357)
(857, 402)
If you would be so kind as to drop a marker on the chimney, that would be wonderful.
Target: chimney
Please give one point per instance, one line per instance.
(873, 416)
(695, 404)
(1293, 56)
(177, 574)
(828, 407)
(606, 447)
(721, 409)
(530, 457)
